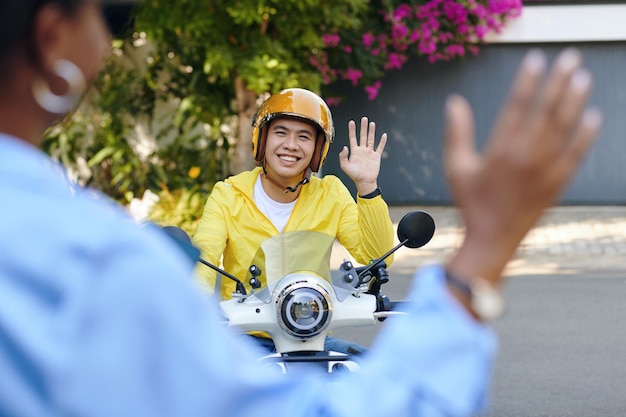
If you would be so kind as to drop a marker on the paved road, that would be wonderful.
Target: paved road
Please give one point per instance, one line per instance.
(562, 347)
(563, 338)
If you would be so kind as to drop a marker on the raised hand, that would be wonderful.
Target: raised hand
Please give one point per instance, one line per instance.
(542, 133)
(363, 165)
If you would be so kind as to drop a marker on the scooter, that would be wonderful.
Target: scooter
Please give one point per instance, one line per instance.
(293, 295)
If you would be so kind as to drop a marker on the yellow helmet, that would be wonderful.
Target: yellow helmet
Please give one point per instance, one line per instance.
(299, 103)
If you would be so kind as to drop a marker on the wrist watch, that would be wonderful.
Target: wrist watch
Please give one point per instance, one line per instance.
(371, 195)
(486, 302)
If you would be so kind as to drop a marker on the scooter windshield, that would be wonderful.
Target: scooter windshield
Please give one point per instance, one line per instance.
(304, 252)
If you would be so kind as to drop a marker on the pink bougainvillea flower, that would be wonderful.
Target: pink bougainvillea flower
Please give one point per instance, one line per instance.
(372, 90)
(427, 47)
(481, 31)
(399, 31)
(431, 24)
(331, 40)
(401, 47)
(394, 61)
(444, 37)
(439, 30)
(354, 75)
(415, 35)
(480, 11)
(403, 11)
(455, 12)
(368, 39)
(333, 101)
(455, 50)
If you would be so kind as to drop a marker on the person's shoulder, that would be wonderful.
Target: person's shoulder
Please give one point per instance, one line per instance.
(328, 180)
(92, 235)
(243, 181)
(144, 247)
(111, 222)
(329, 183)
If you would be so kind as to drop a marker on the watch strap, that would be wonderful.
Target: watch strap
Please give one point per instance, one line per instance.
(459, 284)
(371, 195)
(485, 302)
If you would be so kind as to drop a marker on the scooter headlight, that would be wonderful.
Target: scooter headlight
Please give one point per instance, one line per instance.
(304, 309)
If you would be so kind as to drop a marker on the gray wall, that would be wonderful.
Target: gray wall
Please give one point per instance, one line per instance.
(410, 109)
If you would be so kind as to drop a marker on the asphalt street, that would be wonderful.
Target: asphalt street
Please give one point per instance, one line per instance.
(563, 337)
(562, 347)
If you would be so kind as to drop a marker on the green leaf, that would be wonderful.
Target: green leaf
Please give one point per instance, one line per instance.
(103, 154)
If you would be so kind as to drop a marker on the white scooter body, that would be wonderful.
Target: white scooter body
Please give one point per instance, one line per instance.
(253, 314)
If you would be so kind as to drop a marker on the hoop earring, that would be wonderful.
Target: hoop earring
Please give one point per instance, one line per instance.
(60, 104)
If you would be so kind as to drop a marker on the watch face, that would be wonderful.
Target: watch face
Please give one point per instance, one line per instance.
(487, 302)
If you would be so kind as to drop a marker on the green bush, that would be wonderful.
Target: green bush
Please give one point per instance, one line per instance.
(129, 135)
(182, 208)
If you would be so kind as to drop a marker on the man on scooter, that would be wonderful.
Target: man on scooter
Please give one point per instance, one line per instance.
(292, 133)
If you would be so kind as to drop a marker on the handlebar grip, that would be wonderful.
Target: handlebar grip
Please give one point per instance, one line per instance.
(391, 308)
(399, 305)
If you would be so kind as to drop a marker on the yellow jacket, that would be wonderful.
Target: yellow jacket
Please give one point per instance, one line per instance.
(233, 227)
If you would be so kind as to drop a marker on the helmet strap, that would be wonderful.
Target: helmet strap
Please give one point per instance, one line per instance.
(305, 179)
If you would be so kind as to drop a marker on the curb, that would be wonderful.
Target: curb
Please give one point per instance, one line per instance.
(566, 240)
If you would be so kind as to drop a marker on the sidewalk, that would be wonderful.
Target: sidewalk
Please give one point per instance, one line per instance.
(568, 240)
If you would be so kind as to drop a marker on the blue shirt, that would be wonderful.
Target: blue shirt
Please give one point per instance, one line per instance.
(99, 317)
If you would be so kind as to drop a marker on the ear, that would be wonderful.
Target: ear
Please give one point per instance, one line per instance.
(261, 141)
(48, 36)
(53, 38)
(320, 145)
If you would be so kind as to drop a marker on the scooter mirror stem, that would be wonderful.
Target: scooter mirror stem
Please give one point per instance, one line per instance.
(240, 288)
(379, 260)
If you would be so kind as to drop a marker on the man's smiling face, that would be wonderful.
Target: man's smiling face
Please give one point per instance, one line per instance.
(289, 148)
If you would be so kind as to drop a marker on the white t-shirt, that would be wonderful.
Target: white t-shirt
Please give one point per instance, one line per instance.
(277, 213)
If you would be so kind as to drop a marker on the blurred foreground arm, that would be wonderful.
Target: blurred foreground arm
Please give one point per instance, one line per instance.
(543, 132)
